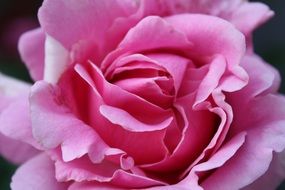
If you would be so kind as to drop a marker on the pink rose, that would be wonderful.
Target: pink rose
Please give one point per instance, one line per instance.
(148, 95)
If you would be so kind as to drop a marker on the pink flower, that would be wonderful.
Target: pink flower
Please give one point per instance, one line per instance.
(148, 95)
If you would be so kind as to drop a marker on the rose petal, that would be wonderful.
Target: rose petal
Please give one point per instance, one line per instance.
(31, 47)
(17, 124)
(14, 124)
(140, 38)
(225, 40)
(174, 64)
(248, 16)
(69, 23)
(273, 177)
(116, 136)
(125, 120)
(265, 126)
(53, 125)
(37, 173)
(56, 60)
(16, 151)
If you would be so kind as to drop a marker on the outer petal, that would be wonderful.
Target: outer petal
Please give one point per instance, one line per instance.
(15, 151)
(246, 16)
(54, 125)
(249, 16)
(225, 40)
(273, 177)
(70, 22)
(31, 47)
(13, 92)
(141, 38)
(38, 173)
(265, 126)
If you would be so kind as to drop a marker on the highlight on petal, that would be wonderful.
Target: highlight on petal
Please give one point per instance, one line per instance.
(56, 60)
(125, 120)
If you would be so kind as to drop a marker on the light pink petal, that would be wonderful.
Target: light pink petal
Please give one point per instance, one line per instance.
(92, 185)
(82, 170)
(222, 8)
(54, 125)
(31, 47)
(11, 87)
(16, 151)
(225, 40)
(273, 177)
(37, 173)
(70, 23)
(211, 80)
(140, 38)
(125, 120)
(262, 81)
(248, 16)
(265, 126)
(265, 79)
(56, 60)
(16, 123)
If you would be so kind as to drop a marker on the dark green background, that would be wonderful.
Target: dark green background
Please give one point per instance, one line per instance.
(269, 42)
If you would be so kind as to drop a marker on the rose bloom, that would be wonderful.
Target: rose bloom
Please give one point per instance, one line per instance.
(144, 94)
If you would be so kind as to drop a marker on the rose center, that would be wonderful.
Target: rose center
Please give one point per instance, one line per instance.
(146, 80)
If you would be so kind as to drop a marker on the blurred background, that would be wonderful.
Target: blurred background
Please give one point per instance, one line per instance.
(17, 16)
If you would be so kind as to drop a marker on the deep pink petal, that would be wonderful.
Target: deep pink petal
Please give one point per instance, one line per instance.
(31, 47)
(37, 173)
(175, 65)
(117, 136)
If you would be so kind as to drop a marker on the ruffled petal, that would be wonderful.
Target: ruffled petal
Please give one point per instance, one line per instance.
(263, 125)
